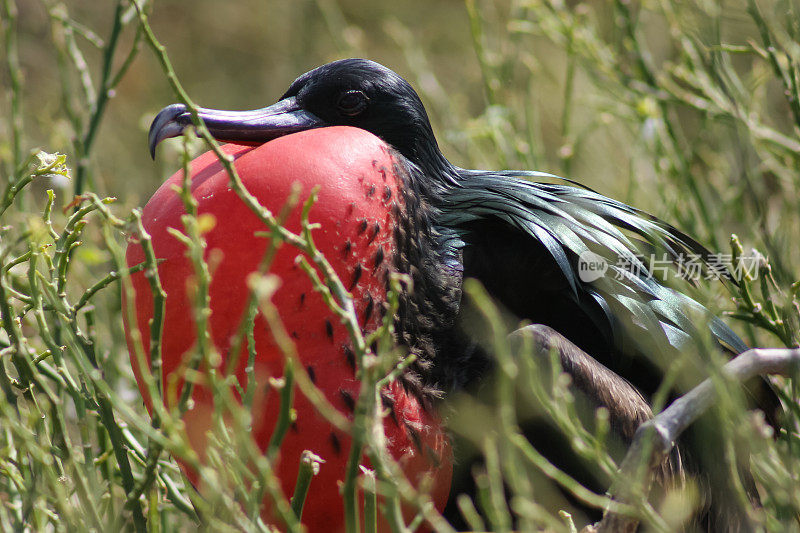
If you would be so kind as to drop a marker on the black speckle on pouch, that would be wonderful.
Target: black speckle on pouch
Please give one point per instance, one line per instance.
(337, 446)
(388, 403)
(375, 230)
(379, 257)
(369, 308)
(356, 276)
(349, 356)
(414, 434)
(347, 398)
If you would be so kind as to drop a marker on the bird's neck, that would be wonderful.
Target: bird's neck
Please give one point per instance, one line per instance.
(440, 174)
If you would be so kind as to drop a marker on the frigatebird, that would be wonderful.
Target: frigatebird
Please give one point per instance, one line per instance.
(523, 234)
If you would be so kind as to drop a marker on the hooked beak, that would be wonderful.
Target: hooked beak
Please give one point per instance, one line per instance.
(243, 127)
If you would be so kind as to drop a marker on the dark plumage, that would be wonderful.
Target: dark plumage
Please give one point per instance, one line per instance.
(521, 238)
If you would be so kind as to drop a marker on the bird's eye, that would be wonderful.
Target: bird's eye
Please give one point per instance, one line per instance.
(352, 103)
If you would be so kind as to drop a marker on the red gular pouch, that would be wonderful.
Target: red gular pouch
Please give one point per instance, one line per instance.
(359, 181)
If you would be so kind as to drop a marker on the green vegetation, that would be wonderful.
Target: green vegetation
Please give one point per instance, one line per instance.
(689, 110)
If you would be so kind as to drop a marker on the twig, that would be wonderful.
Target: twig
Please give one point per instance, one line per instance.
(309, 467)
(103, 283)
(103, 95)
(655, 438)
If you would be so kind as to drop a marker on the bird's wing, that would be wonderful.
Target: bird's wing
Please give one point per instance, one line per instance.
(570, 221)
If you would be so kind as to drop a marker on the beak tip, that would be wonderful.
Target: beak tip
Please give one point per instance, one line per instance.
(165, 125)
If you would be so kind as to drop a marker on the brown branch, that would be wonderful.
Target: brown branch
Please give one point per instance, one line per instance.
(655, 438)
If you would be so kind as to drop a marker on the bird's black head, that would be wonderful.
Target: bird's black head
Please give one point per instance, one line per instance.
(348, 92)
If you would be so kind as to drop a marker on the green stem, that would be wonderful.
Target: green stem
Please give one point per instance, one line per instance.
(309, 467)
(103, 283)
(788, 81)
(285, 413)
(106, 411)
(9, 24)
(103, 95)
(370, 502)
